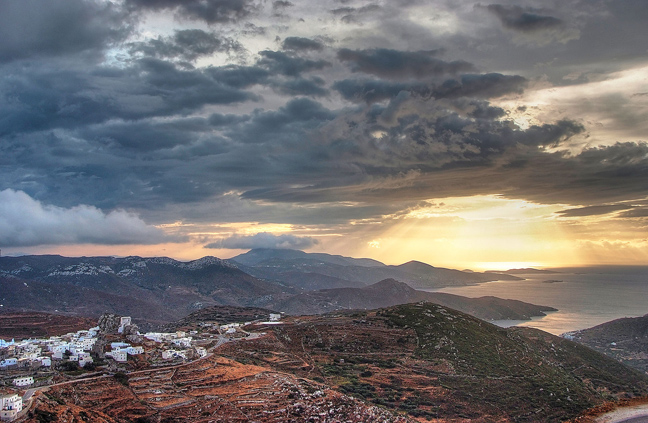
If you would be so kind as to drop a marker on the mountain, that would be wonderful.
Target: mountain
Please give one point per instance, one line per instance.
(155, 289)
(258, 255)
(624, 339)
(390, 292)
(290, 266)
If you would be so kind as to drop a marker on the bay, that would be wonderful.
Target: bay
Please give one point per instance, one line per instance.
(584, 297)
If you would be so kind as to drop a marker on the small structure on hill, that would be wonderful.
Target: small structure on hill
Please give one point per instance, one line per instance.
(10, 406)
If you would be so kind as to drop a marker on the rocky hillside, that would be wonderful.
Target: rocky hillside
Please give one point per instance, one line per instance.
(390, 292)
(432, 362)
(624, 339)
(211, 390)
(153, 289)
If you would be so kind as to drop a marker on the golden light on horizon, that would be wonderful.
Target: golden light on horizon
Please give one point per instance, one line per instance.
(481, 232)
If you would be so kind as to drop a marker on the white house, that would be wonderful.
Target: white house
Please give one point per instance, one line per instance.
(119, 356)
(202, 352)
(23, 381)
(45, 361)
(4, 344)
(119, 345)
(275, 317)
(135, 350)
(10, 406)
(8, 362)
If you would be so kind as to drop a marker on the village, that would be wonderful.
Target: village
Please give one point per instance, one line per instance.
(114, 346)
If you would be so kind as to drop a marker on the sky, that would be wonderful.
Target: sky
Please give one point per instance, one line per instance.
(460, 133)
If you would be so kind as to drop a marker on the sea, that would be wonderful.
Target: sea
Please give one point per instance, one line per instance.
(584, 297)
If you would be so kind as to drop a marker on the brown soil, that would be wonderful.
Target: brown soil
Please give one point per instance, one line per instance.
(210, 390)
(20, 325)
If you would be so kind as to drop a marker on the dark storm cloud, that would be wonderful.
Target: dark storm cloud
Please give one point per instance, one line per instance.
(312, 87)
(278, 62)
(188, 45)
(489, 85)
(370, 90)
(52, 98)
(523, 19)
(264, 240)
(289, 124)
(301, 44)
(394, 63)
(638, 212)
(32, 28)
(210, 11)
(593, 210)
(146, 135)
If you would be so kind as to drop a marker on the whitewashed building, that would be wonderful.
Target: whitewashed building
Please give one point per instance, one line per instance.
(10, 406)
(8, 362)
(23, 381)
(119, 356)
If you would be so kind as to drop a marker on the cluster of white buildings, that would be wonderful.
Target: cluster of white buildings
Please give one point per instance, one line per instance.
(40, 352)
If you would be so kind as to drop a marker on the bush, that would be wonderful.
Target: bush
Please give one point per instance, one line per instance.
(122, 378)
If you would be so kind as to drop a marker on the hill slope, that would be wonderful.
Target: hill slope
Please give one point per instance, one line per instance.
(624, 339)
(156, 289)
(433, 362)
(390, 292)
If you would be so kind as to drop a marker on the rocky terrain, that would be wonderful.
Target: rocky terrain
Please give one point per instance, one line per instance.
(416, 362)
(624, 339)
(432, 362)
(154, 290)
(214, 389)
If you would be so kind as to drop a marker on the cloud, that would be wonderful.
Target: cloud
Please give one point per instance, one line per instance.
(264, 240)
(394, 63)
(68, 98)
(593, 210)
(523, 19)
(281, 63)
(638, 212)
(532, 23)
(489, 85)
(188, 44)
(313, 87)
(210, 11)
(27, 222)
(32, 28)
(350, 15)
(302, 44)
